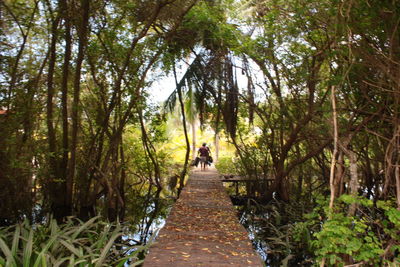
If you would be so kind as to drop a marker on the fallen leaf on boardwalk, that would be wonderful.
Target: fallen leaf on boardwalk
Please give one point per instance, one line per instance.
(205, 209)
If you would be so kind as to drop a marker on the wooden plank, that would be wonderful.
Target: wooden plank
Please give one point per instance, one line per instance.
(233, 180)
(203, 229)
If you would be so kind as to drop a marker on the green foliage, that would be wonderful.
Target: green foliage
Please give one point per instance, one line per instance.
(342, 235)
(304, 233)
(281, 230)
(362, 237)
(391, 222)
(73, 243)
(226, 165)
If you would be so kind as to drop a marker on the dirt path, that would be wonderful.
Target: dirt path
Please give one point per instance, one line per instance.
(203, 229)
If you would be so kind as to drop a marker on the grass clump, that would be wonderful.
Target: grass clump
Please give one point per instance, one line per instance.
(73, 243)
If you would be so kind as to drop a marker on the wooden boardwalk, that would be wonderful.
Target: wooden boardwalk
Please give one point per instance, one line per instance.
(203, 229)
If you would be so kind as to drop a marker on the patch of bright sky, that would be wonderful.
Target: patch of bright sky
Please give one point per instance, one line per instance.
(163, 84)
(161, 88)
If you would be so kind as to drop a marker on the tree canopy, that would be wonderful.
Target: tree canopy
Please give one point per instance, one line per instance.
(307, 93)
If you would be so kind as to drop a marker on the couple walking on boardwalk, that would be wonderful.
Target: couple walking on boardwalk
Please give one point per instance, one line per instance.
(205, 156)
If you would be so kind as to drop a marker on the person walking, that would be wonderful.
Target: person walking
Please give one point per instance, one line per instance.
(204, 152)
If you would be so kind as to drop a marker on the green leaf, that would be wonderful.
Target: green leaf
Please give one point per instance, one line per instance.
(28, 250)
(107, 248)
(84, 226)
(41, 255)
(71, 248)
(15, 242)
(7, 252)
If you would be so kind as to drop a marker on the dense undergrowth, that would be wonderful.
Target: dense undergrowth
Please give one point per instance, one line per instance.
(289, 235)
(305, 232)
(73, 243)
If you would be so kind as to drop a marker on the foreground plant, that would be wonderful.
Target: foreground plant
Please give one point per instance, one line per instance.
(370, 237)
(74, 243)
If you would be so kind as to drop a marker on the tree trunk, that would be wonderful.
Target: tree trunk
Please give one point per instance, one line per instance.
(50, 95)
(339, 175)
(82, 32)
(151, 152)
(397, 175)
(194, 136)
(216, 155)
(121, 210)
(354, 185)
(335, 148)
(182, 105)
(59, 203)
(14, 71)
(282, 189)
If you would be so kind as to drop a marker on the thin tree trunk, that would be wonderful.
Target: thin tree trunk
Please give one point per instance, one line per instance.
(353, 181)
(150, 151)
(216, 147)
(194, 136)
(397, 175)
(121, 212)
(300, 176)
(335, 148)
(339, 174)
(50, 96)
(64, 89)
(82, 31)
(25, 35)
(58, 189)
(182, 105)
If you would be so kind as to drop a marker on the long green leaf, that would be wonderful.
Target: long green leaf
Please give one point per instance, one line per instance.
(16, 238)
(7, 252)
(71, 261)
(84, 226)
(28, 250)
(71, 248)
(106, 249)
(45, 249)
(137, 263)
(101, 240)
(60, 262)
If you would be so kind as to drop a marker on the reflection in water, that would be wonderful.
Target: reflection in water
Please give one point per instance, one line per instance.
(147, 209)
(246, 215)
(271, 228)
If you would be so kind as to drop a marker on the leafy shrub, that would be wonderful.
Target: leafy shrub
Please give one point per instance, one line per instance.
(226, 165)
(300, 233)
(361, 238)
(74, 243)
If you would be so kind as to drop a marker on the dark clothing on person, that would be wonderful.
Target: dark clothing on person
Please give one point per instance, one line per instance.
(204, 151)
